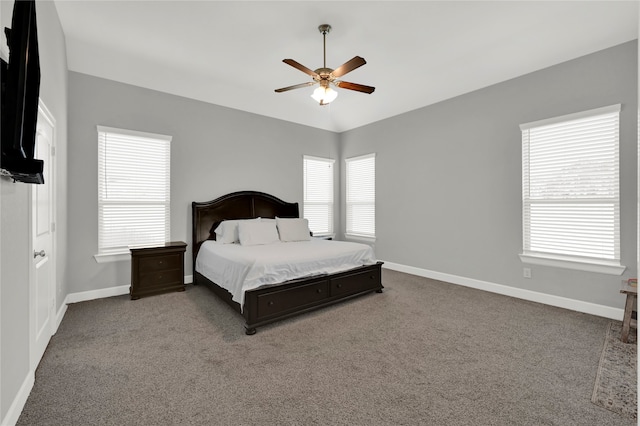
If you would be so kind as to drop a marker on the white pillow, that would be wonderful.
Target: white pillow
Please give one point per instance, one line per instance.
(253, 233)
(227, 231)
(293, 229)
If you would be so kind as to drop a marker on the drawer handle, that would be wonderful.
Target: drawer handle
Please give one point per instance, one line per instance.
(159, 277)
(160, 262)
(319, 291)
(371, 277)
(339, 285)
(271, 303)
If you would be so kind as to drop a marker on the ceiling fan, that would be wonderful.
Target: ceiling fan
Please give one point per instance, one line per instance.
(326, 76)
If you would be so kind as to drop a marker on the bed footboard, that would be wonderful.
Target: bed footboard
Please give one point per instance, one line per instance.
(270, 304)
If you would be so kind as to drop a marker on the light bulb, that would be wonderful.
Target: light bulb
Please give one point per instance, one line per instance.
(324, 95)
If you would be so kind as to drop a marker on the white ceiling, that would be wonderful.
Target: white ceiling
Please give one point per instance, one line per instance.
(418, 52)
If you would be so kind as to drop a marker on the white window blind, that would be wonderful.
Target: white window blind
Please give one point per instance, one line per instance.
(571, 201)
(318, 194)
(361, 195)
(133, 189)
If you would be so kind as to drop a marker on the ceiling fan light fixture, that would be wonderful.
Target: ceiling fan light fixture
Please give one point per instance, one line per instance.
(324, 95)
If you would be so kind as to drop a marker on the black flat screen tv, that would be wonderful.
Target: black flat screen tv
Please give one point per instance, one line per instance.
(19, 99)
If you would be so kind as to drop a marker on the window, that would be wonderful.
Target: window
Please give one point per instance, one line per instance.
(571, 203)
(318, 194)
(361, 196)
(133, 189)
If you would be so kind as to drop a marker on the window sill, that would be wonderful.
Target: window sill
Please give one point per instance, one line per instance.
(361, 238)
(603, 267)
(112, 257)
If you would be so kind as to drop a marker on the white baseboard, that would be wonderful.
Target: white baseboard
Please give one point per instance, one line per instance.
(13, 414)
(533, 296)
(60, 314)
(83, 296)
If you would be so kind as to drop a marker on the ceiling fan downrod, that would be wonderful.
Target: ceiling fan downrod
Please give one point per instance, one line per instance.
(324, 29)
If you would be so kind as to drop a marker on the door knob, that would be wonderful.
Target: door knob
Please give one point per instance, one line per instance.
(39, 253)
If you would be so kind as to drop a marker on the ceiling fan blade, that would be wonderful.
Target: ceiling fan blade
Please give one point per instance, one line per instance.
(300, 67)
(354, 86)
(297, 86)
(348, 66)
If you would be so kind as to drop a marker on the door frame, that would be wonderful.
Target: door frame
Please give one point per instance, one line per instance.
(34, 358)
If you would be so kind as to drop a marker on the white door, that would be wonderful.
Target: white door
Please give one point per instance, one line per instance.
(43, 282)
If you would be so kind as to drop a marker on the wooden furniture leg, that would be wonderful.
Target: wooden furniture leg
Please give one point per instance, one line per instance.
(626, 320)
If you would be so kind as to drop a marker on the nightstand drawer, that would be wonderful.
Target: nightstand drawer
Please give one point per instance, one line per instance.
(160, 263)
(160, 278)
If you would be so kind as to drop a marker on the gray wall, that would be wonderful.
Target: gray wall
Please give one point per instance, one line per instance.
(15, 211)
(215, 150)
(454, 204)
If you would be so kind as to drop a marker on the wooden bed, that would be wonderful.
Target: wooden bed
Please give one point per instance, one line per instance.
(268, 304)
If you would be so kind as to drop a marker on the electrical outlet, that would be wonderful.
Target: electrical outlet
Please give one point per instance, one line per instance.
(526, 272)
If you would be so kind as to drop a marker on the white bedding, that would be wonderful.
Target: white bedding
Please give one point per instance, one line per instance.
(239, 268)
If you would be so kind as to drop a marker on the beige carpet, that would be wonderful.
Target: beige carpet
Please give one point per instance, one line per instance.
(616, 386)
(423, 352)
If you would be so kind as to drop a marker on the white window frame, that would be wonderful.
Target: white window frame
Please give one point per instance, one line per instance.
(107, 252)
(608, 261)
(351, 200)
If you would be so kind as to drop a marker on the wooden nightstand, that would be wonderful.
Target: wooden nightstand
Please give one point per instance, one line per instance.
(157, 269)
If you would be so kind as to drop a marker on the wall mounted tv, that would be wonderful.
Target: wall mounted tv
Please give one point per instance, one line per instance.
(20, 80)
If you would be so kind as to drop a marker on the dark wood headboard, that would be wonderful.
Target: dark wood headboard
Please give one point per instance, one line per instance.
(238, 205)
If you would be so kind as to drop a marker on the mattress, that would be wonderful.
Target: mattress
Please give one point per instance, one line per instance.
(238, 268)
